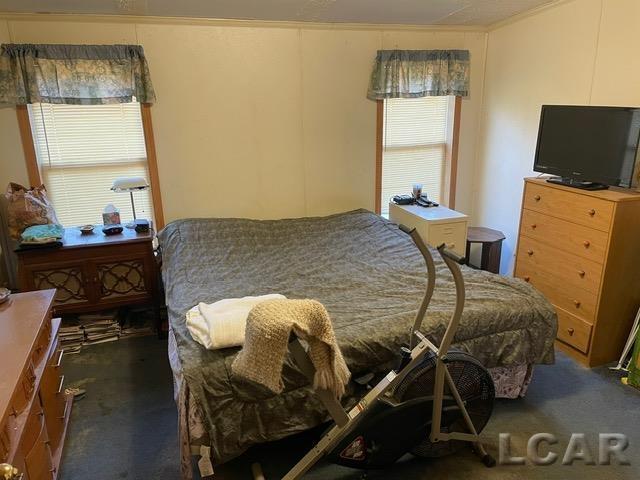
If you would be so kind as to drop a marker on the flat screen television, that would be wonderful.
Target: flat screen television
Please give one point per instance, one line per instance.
(589, 147)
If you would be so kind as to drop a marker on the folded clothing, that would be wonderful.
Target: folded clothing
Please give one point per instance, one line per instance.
(222, 324)
(41, 234)
(267, 340)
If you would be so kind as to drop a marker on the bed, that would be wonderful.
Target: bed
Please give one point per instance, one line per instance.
(370, 277)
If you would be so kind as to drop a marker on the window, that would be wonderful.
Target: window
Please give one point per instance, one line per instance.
(81, 150)
(416, 147)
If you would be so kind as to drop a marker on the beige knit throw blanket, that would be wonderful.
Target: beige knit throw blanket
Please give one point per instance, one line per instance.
(267, 338)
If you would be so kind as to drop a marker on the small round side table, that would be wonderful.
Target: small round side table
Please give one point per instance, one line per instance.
(491, 241)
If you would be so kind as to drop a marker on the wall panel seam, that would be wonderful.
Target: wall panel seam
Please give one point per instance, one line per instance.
(595, 54)
(303, 150)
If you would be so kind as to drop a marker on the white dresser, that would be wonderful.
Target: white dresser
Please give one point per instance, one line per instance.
(436, 225)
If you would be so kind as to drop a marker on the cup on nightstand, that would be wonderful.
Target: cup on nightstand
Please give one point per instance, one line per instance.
(417, 190)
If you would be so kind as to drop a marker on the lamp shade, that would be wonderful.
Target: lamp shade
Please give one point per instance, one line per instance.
(128, 184)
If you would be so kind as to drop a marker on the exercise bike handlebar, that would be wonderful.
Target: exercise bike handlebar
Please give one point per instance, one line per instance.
(452, 261)
(444, 251)
(431, 281)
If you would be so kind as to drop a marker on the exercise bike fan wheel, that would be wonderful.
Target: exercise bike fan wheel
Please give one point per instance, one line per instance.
(473, 382)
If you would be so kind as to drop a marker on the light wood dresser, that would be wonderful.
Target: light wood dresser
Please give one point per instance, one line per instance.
(581, 249)
(436, 225)
(35, 411)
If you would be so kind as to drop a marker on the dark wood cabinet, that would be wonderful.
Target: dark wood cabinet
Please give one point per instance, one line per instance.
(70, 279)
(94, 272)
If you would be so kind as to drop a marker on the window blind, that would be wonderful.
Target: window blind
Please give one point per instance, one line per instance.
(81, 150)
(414, 146)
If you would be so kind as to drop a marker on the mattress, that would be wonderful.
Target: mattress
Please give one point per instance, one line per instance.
(370, 277)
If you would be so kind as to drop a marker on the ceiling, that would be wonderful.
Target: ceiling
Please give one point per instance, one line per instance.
(413, 12)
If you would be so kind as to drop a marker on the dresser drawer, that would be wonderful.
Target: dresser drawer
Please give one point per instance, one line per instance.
(38, 461)
(42, 342)
(5, 438)
(570, 237)
(573, 331)
(54, 401)
(33, 425)
(574, 207)
(453, 235)
(558, 267)
(575, 300)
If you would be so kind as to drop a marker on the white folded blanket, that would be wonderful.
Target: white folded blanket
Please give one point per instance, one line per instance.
(222, 324)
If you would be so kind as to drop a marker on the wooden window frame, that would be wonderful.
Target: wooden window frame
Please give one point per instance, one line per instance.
(453, 139)
(33, 170)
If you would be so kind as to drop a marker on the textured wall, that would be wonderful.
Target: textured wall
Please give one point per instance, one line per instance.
(259, 120)
(581, 52)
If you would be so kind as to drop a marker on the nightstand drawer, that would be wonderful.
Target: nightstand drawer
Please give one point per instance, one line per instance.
(435, 225)
(453, 235)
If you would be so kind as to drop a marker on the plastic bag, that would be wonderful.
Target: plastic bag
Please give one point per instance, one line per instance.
(26, 207)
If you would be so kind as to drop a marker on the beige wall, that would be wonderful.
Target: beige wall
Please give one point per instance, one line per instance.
(259, 120)
(579, 52)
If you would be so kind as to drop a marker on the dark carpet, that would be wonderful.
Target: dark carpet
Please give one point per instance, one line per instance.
(125, 427)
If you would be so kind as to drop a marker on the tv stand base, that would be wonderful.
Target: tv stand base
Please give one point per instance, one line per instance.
(569, 182)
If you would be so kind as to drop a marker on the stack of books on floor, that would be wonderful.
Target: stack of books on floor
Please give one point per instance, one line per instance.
(100, 327)
(138, 322)
(71, 338)
(137, 331)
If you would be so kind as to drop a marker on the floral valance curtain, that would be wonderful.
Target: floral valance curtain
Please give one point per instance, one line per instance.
(73, 74)
(419, 73)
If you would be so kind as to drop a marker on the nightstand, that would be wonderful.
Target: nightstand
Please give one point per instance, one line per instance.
(94, 272)
(436, 225)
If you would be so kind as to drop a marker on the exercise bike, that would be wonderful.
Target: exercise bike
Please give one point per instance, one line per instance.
(434, 402)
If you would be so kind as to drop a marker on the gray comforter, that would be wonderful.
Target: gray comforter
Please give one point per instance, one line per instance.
(370, 277)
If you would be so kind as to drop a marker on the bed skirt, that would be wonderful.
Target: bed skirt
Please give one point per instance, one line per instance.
(510, 382)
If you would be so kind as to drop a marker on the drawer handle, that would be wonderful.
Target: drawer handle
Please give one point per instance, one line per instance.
(533, 226)
(570, 331)
(529, 252)
(537, 198)
(586, 243)
(59, 362)
(577, 303)
(526, 278)
(61, 384)
(592, 212)
(64, 412)
(582, 273)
